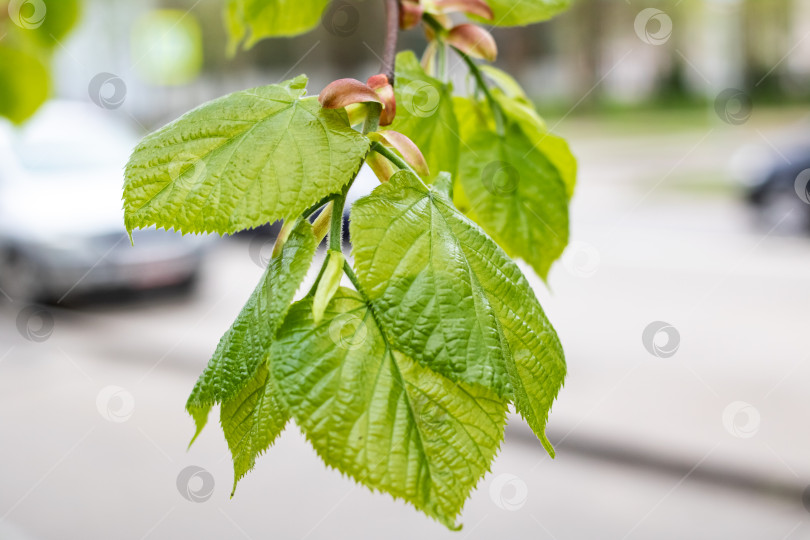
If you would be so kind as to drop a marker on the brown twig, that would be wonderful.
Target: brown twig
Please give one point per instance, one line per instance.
(391, 33)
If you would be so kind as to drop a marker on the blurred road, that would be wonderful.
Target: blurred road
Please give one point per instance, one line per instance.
(706, 440)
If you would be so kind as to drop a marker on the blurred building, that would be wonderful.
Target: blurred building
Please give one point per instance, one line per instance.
(601, 50)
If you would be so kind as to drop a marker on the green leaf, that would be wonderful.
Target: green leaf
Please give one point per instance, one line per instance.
(252, 420)
(24, 84)
(522, 112)
(245, 346)
(241, 161)
(425, 114)
(486, 294)
(522, 12)
(259, 19)
(514, 191)
(410, 251)
(380, 417)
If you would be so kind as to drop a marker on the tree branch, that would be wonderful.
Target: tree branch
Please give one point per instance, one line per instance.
(391, 33)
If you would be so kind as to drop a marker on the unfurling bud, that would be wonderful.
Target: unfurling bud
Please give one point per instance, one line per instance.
(408, 149)
(343, 92)
(380, 84)
(472, 7)
(410, 14)
(382, 168)
(328, 285)
(474, 41)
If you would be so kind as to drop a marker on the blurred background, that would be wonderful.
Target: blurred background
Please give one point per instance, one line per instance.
(682, 301)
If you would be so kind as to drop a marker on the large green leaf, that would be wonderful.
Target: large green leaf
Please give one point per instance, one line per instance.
(380, 417)
(409, 250)
(246, 345)
(259, 19)
(425, 114)
(241, 161)
(252, 420)
(500, 319)
(515, 192)
(522, 12)
(24, 84)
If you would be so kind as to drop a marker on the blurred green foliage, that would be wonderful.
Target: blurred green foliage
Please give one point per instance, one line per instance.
(31, 30)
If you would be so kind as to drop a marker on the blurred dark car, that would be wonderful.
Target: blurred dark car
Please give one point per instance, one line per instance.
(777, 187)
(61, 217)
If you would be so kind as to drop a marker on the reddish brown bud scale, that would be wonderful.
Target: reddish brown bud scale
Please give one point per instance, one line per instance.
(379, 83)
(408, 149)
(410, 14)
(474, 41)
(343, 92)
(472, 7)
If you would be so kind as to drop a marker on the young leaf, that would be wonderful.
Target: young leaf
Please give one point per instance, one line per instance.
(252, 420)
(481, 311)
(522, 112)
(245, 346)
(425, 114)
(378, 416)
(409, 250)
(515, 193)
(259, 19)
(241, 161)
(523, 12)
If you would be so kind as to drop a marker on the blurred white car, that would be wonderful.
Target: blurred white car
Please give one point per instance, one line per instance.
(61, 219)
